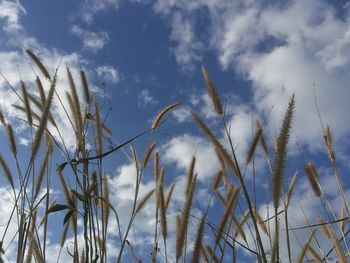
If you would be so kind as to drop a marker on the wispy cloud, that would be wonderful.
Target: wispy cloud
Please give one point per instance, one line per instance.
(187, 50)
(90, 8)
(145, 98)
(93, 41)
(182, 114)
(108, 72)
(11, 11)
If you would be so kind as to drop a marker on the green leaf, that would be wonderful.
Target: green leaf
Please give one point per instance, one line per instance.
(62, 166)
(91, 188)
(57, 208)
(67, 216)
(81, 197)
(89, 116)
(74, 166)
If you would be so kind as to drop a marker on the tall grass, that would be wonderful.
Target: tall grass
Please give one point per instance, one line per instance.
(231, 231)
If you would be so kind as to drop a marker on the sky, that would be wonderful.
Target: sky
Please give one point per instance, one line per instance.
(141, 56)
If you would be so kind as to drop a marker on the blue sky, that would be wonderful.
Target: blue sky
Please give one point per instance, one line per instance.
(144, 55)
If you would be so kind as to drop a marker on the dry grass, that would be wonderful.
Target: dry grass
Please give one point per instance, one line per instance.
(227, 231)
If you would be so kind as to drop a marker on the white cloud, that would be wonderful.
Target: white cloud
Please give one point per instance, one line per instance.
(145, 98)
(179, 150)
(280, 49)
(234, 39)
(6, 206)
(93, 41)
(187, 50)
(11, 10)
(304, 209)
(311, 49)
(89, 8)
(12, 62)
(51, 59)
(242, 129)
(336, 55)
(182, 114)
(122, 187)
(108, 73)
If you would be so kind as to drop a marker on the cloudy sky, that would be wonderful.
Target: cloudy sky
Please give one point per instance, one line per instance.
(141, 56)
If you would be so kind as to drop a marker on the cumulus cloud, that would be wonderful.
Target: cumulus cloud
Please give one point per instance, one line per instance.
(276, 53)
(93, 41)
(336, 55)
(293, 65)
(179, 150)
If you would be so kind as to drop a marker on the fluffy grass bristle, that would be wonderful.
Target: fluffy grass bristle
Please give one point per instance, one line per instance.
(105, 194)
(228, 212)
(158, 118)
(2, 119)
(169, 194)
(217, 144)
(85, 87)
(144, 200)
(216, 180)
(26, 104)
(324, 228)
(190, 174)
(281, 154)
(98, 129)
(253, 145)
(329, 143)
(7, 172)
(42, 171)
(338, 248)
(212, 92)
(76, 101)
(163, 219)
(156, 165)
(312, 175)
(41, 90)
(180, 238)
(314, 254)
(262, 138)
(290, 191)
(38, 63)
(43, 121)
(211, 253)
(148, 155)
(304, 249)
(11, 138)
(196, 255)
(261, 222)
